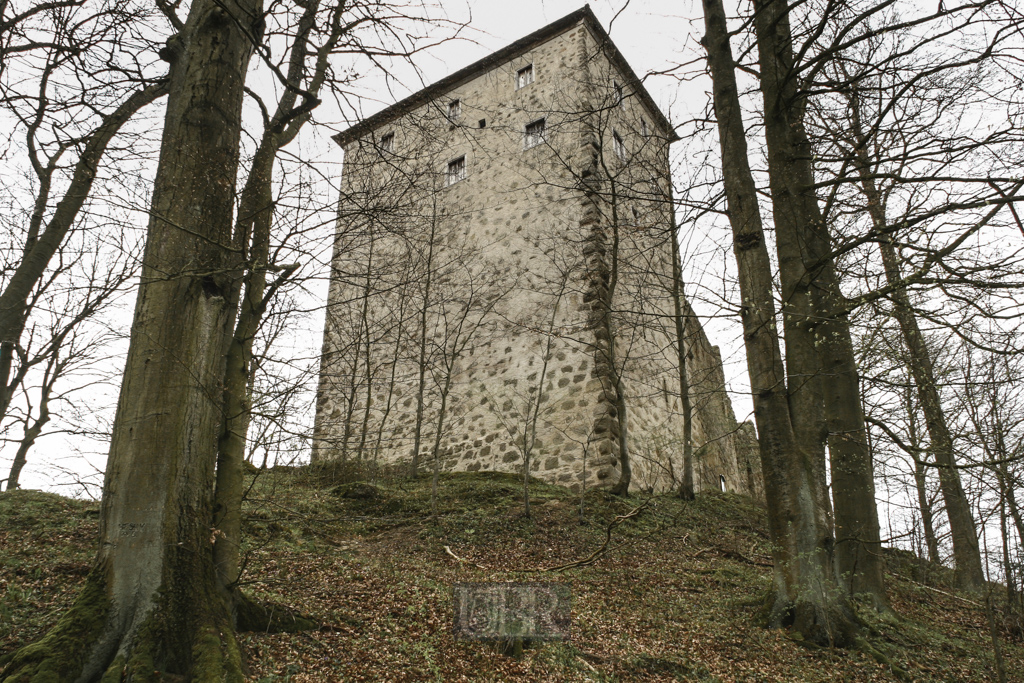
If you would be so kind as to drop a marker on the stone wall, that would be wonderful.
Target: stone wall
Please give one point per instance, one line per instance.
(525, 312)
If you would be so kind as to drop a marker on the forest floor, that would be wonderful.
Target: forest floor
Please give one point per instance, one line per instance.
(675, 597)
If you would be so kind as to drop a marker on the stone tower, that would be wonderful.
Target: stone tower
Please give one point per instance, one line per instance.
(504, 285)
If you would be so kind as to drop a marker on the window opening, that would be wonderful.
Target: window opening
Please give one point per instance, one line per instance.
(721, 482)
(619, 96)
(619, 145)
(643, 128)
(387, 142)
(456, 171)
(524, 77)
(454, 110)
(534, 134)
(483, 123)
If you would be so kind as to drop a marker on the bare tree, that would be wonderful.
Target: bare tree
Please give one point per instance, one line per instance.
(84, 88)
(805, 586)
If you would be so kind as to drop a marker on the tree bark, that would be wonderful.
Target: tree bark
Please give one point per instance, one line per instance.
(152, 605)
(806, 596)
(824, 385)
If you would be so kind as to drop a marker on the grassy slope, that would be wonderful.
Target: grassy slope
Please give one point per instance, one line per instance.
(675, 598)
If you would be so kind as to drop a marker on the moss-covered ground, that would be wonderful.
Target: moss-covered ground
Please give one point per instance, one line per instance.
(674, 599)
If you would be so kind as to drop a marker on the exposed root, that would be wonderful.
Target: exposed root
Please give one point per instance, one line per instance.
(261, 617)
(61, 654)
(831, 624)
(867, 648)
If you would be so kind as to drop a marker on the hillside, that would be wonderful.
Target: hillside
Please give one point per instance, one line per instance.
(675, 598)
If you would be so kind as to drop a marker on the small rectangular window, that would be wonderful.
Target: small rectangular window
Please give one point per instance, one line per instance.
(619, 96)
(456, 171)
(643, 128)
(454, 110)
(387, 142)
(534, 134)
(619, 145)
(524, 77)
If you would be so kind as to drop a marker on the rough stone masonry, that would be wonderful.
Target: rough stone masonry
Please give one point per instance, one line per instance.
(503, 291)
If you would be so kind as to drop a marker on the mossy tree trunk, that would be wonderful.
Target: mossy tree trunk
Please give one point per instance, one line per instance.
(806, 595)
(152, 605)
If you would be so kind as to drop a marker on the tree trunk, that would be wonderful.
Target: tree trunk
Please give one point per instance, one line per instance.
(151, 606)
(421, 381)
(821, 365)
(32, 433)
(611, 359)
(686, 491)
(805, 593)
(966, 551)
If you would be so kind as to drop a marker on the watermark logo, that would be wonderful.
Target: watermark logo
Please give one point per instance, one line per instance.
(504, 611)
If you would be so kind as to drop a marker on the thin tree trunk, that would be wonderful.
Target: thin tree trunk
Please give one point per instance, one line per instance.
(367, 352)
(686, 491)
(252, 236)
(32, 433)
(805, 592)
(421, 381)
(966, 551)
(613, 369)
(824, 385)
(921, 482)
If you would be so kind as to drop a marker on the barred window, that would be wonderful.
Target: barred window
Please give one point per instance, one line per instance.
(534, 134)
(524, 77)
(456, 171)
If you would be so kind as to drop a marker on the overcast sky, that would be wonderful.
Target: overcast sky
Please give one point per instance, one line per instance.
(653, 35)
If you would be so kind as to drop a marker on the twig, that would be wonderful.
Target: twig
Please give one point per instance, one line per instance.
(587, 664)
(949, 595)
(596, 555)
(460, 559)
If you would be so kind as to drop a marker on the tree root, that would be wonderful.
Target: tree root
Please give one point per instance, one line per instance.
(867, 648)
(61, 654)
(263, 617)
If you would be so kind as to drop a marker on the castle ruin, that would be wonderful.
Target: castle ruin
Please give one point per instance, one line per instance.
(505, 286)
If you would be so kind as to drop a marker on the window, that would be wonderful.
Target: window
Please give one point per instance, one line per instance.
(618, 94)
(387, 142)
(534, 134)
(721, 482)
(456, 171)
(636, 216)
(483, 123)
(454, 110)
(643, 128)
(524, 77)
(619, 145)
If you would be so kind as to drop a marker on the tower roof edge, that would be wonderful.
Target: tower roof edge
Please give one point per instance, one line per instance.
(583, 15)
